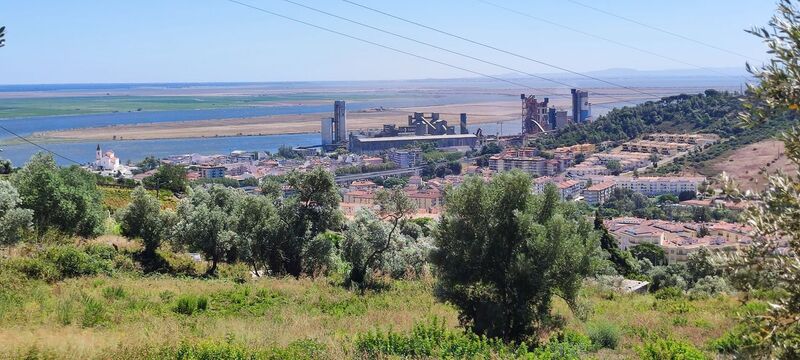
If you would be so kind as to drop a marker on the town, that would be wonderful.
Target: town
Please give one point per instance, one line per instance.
(428, 156)
(293, 179)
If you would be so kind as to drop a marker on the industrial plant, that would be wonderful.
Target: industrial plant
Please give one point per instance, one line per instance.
(538, 117)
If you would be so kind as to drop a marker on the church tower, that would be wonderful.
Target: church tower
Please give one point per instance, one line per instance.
(98, 154)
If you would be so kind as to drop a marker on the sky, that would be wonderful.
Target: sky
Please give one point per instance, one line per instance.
(118, 41)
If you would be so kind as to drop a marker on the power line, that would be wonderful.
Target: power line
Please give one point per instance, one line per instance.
(524, 86)
(446, 50)
(500, 50)
(665, 31)
(619, 43)
(38, 146)
(422, 42)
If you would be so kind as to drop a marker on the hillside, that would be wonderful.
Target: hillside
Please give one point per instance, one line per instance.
(710, 112)
(751, 165)
(125, 315)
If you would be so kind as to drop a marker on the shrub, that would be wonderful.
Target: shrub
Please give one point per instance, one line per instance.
(431, 340)
(604, 335)
(207, 350)
(64, 311)
(33, 268)
(669, 349)
(190, 304)
(669, 293)
(114, 293)
(709, 286)
(178, 264)
(100, 251)
(72, 262)
(94, 312)
(239, 272)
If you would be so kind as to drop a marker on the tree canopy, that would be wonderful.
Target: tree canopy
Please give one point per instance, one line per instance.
(13, 219)
(64, 199)
(502, 253)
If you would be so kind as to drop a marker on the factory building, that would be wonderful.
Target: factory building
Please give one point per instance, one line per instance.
(581, 108)
(360, 144)
(558, 119)
(535, 115)
(334, 130)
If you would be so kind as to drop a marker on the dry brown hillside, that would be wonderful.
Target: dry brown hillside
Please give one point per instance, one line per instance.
(746, 165)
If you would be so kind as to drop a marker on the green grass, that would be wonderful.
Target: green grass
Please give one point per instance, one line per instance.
(117, 197)
(52, 106)
(151, 316)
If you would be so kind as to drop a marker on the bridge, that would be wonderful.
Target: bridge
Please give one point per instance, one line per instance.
(343, 179)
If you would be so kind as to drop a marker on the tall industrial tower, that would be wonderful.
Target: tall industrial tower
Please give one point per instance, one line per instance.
(334, 130)
(534, 114)
(581, 108)
(340, 121)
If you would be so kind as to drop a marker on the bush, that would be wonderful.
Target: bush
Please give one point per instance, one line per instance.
(207, 350)
(33, 268)
(114, 293)
(190, 304)
(178, 264)
(70, 261)
(94, 312)
(604, 335)
(431, 340)
(669, 293)
(669, 349)
(709, 286)
(239, 272)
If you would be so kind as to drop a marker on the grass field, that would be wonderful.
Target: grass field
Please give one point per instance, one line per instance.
(124, 315)
(51, 106)
(119, 197)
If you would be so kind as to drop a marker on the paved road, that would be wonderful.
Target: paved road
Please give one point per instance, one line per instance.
(370, 175)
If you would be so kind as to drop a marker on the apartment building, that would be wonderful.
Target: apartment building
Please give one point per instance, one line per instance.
(694, 139)
(653, 186)
(597, 194)
(528, 161)
(679, 240)
(405, 158)
(656, 147)
(212, 172)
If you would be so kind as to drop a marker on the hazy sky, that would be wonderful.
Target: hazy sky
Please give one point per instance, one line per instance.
(79, 41)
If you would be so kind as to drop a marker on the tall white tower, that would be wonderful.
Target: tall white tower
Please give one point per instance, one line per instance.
(327, 131)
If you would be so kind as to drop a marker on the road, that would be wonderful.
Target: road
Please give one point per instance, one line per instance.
(353, 177)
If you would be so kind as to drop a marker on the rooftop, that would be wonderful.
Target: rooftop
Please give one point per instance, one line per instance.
(418, 138)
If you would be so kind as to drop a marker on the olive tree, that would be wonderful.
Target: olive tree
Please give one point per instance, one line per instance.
(772, 261)
(13, 219)
(312, 209)
(257, 227)
(65, 199)
(368, 238)
(206, 221)
(502, 253)
(142, 218)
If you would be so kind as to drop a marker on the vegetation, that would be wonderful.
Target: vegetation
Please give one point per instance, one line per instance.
(775, 334)
(168, 176)
(143, 219)
(206, 221)
(626, 202)
(365, 168)
(62, 199)
(368, 239)
(14, 220)
(523, 249)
